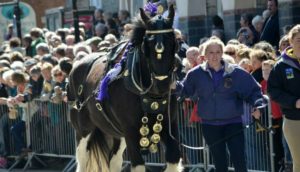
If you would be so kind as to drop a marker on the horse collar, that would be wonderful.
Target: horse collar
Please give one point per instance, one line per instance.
(154, 105)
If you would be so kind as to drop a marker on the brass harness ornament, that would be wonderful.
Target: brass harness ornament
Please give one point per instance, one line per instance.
(151, 143)
(150, 138)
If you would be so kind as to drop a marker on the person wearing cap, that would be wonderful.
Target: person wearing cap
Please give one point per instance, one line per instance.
(10, 32)
(50, 59)
(28, 64)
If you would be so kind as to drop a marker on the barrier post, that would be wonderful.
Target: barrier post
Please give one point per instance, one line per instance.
(270, 134)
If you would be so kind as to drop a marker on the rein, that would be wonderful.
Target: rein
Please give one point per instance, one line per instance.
(142, 91)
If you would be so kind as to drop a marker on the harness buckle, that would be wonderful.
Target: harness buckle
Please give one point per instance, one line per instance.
(99, 107)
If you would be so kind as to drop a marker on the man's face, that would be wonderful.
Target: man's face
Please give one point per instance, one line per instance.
(272, 6)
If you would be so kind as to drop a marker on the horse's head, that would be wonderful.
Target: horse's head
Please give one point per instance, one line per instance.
(159, 47)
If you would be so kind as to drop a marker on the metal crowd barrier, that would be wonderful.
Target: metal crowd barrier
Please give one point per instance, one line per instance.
(258, 142)
(7, 121)
(49, 134)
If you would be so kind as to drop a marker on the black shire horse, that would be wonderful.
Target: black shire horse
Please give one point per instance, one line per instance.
(136, 111)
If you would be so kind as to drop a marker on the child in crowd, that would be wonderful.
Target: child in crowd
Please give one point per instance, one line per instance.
(257, 57)
(21, 80)
(242, 52)
(283, 43)
(246, 64)
(48, 82)
(192, 55)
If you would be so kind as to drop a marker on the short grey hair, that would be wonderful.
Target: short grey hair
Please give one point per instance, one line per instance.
(257, 19)
(101, 27)
(43, 46)
(81, 47)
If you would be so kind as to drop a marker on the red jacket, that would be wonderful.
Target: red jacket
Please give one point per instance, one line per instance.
(275, 108)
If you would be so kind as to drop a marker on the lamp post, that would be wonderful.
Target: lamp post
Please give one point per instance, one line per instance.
(76, 21)
(17, 18)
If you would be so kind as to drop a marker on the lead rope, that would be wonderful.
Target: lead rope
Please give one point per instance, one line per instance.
(169, 121)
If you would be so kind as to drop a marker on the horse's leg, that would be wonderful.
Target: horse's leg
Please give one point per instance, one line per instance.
(172, 150)
(133, 149)
(115, 164)
(82, 154)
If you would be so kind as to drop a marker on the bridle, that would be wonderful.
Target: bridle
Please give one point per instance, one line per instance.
(159, 49)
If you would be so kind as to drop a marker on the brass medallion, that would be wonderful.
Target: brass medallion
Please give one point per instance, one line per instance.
(144, 130)
(160, 9)
(144, 142)
(155, 138)
(154, 105)
(153, 148)
(157, 127)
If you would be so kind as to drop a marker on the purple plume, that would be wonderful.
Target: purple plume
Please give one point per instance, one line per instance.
(151, 8)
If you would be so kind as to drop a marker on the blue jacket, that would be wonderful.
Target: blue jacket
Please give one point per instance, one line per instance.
(224, 100)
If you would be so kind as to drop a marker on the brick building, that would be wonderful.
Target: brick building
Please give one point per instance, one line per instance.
(195, 16)
(39, 6)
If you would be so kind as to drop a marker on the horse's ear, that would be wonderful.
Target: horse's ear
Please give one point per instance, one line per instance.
(171, 12)
(144, 17)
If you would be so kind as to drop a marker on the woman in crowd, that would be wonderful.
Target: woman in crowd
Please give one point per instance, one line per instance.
(220, 89)
(283, 87)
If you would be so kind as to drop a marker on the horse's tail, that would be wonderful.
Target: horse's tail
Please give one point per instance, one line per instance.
(98, 152)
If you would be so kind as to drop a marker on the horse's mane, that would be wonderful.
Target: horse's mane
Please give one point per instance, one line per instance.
(138, 33)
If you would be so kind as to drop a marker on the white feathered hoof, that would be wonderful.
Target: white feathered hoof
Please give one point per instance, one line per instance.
(82, 154)
(139, 168)
(177, 167)
(115, 164)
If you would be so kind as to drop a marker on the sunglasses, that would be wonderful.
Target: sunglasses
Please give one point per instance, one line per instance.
(230, 53)
(58, 74)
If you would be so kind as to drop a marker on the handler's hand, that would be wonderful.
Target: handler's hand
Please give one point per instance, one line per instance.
(256, 114)
(173, 85)
(298, 104)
